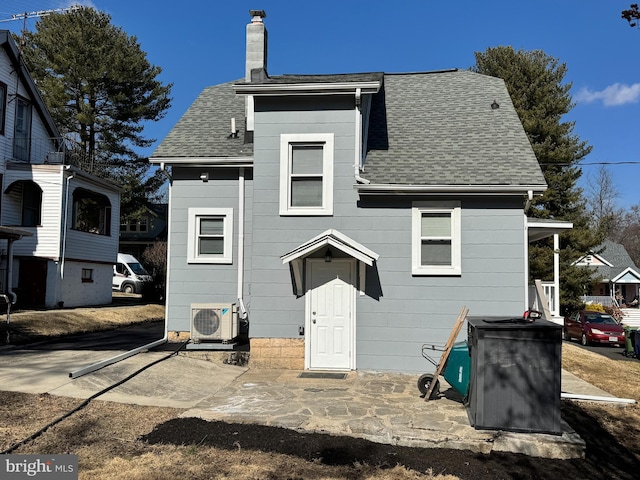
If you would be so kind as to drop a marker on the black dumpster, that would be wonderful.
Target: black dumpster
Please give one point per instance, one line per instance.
(515, 374)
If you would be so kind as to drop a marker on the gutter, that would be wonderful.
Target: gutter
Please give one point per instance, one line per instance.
(202, 161)
(306, 88)
(397, 189)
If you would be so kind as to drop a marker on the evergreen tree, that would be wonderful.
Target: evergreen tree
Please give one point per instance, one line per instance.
(100, 88)
(535, 82)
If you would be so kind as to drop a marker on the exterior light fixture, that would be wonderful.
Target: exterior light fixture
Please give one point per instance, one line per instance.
(495, 105)
(328, 256)
(204, 176)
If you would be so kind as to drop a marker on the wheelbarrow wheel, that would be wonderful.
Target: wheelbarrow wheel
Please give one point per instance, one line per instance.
(423, 385)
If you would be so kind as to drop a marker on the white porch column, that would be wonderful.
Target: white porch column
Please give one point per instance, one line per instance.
(556, 275)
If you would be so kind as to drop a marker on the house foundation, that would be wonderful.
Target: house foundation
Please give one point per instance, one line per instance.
(283, 353)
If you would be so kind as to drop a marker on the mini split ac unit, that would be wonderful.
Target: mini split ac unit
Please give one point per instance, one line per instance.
(213, 321)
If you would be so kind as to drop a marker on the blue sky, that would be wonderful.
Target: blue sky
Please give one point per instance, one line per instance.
(200, 43)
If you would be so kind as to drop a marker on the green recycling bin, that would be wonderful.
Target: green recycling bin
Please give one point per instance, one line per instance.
(458, 368)
(630, 343)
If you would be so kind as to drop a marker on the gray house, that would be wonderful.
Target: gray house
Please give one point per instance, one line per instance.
(346, 218)
(619, 276)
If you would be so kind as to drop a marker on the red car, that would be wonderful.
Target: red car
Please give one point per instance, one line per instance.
(593, 327)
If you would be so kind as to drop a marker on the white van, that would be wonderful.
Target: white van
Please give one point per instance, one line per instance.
(128, 275)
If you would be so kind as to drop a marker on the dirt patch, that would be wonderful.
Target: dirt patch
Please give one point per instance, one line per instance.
(32, 326)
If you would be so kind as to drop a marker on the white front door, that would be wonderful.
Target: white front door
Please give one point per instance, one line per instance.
(330, 314)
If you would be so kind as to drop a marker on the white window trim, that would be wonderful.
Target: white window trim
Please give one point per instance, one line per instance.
(418, 208)
(286, 142)
(192, 235)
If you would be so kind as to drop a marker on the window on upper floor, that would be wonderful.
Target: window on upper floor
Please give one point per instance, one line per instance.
(210, 235)
(436, 236)
(3, 106)
(135, 225)
(22, 131)
(31, 204)
(306, 174)
(91, 212)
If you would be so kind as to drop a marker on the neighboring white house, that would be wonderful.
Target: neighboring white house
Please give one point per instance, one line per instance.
(68, 219)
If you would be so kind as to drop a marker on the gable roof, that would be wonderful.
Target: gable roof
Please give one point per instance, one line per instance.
(619, 259)
(9, 46)
(435, 129)
(440, 128)
(204, 129)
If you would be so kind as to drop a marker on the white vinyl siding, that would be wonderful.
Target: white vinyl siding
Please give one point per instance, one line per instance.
(306, 174)
(436, 238)
(210, 235)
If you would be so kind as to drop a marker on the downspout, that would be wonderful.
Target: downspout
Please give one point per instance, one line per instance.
(65, 227)
(556, 274)
(241, 192)
(527, 205)
(527, 299)
(358, 139)
(166, 174)
(10, 298)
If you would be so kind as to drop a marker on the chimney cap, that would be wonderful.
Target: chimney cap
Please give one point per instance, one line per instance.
(257, 15)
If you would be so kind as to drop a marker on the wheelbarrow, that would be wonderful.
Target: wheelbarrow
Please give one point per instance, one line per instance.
(456, 369)
(454, 364)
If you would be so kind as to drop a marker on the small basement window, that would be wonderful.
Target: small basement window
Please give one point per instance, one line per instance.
(87, 275)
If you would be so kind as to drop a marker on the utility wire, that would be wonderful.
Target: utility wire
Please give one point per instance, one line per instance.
(88, 400)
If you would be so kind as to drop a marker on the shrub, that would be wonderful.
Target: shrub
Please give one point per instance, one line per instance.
(596, 307)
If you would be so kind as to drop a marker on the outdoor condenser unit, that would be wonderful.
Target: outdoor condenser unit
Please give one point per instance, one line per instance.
(213, 321)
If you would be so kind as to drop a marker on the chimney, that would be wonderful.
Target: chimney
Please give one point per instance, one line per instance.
(256, 44)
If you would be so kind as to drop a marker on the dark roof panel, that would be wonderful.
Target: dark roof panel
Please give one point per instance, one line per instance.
(440, 128)
(433, 128)
(204, 129)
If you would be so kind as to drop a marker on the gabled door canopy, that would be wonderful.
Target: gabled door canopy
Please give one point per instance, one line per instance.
(329, 238)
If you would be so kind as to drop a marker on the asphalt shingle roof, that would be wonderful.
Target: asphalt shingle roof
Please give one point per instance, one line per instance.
(617, 256)
(434, 128)
(203, 131)
(439, 129)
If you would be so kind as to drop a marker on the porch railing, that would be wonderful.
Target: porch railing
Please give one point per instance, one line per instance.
(32, 150)
(543, 299)
(604, 300)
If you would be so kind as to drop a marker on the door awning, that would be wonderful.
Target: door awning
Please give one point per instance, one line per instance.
(335, 239)
(328, 239)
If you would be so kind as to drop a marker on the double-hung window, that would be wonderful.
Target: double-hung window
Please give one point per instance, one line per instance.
(436, 238)
(306, 174)
(210, 235)
(22, 131)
